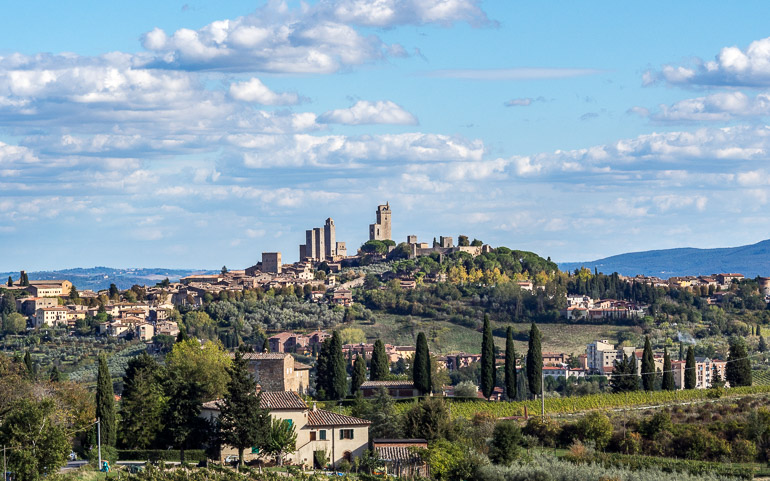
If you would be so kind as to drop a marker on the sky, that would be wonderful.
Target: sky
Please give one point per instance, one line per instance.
(200, 134)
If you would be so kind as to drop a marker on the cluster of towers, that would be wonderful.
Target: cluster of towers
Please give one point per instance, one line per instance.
(321, 244)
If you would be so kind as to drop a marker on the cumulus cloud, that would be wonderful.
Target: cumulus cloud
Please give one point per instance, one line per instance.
(310, 39)
(254, 90)
(365, 112)
(721, 106)
(523, 101)
(732, 66)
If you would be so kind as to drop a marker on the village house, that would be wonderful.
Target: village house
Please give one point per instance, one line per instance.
(340, 437)
(29, 305)
(51, 316)
(275, 371)
(705, 370)
(395, 389)
(401, 458)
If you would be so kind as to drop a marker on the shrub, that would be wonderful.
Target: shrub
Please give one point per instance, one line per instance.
(596, 427)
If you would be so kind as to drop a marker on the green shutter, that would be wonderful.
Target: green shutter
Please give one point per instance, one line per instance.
(255, 450)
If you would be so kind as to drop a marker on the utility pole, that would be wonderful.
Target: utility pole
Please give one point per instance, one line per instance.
(542, 394)
(99, 440)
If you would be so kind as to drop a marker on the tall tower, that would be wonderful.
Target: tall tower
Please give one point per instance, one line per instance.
(330, 238)
(381, 229)
(320, 248)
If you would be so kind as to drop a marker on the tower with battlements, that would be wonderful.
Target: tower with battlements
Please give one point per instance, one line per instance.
(381, 229)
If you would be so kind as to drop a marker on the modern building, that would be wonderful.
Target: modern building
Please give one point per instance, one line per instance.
(705, 371)
(381, 229)
(602, 355)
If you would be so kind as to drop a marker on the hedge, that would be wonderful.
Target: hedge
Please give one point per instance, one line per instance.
(190, 455)
(672, 465)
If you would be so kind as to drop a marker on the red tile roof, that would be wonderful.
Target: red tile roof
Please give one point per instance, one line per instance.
(393, 384)
(282, 400)
(320, 417)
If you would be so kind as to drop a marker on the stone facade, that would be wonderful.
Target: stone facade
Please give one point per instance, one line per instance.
(278, 372)
(330, 239)
(381, 230)
(271, 262)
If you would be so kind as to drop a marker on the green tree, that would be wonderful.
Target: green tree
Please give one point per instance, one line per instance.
(421, 366)
(534, 361)
(23, 279)
(54, 375)
(738, 369)
(73, 294)
(668, 373)
(487, 359)
(105, 402)
(29, 365)
(648, 366)
(380, 367)
(359, 374)
(510, 365)
(14, 323)
(595, 426)
(690, 376)
(681, 351)
(184, 428)
(224, 270)
(624, 375)
(762, 347)
(241, 420)
(506, 443)
(429, 419)
(38, 440)
(338, 383)
(281, 439)
(142, 403)
(463, 241)
(206, 364)
(10, 281)
(114, 292)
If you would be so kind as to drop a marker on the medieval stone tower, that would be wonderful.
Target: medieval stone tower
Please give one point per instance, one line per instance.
(381, 229)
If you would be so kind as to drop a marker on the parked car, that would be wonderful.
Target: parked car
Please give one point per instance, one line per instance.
(231, 460)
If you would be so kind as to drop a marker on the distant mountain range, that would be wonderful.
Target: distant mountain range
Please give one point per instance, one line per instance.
(96, 278)
(751, 261)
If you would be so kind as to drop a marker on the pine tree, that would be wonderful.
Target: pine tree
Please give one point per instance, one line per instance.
(624, 375)
(242, 420)
(668, 373)
(738, 370)
(762, 345)
(648, 366)
(338, 383)
(359, 374)
(380, 367)
(421, 368)
(487, 360)
(690, 376)
(105, 402)
(534, 361)
(510, 365)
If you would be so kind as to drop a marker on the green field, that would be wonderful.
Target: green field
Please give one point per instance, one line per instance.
(447, 338)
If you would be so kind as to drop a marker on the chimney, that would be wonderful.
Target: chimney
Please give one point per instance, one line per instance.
(315, 407)
(258, 389)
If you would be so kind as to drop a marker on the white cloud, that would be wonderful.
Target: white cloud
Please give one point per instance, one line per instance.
(731, 67)
(254, 90)
(388, 13)
(523, 101)
(721, 106)
(365, 112)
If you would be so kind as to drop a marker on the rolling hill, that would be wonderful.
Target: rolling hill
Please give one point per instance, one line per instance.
(750, 260)
(96, 278)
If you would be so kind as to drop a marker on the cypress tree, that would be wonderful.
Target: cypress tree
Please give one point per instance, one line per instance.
(690, 376)
(338, 384)
(28, 364)
(10, 281)
(54, 375)
(633, 372)
(487, 360)
(534, 361)
(648, 366)
(322, 370)
(762, 344)
(738, 369)
(668, 373)
(510, 365)
(681, 351)
(359, 374)
(759, 330)
(242, 420)
(421, 367)
(380, 367)
(23, 279)
(105, 402)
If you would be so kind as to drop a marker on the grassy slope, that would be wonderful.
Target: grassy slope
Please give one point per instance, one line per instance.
(445, 338)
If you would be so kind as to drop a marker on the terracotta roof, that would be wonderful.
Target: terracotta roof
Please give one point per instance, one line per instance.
(272, 400)
(298, 366)
(320, 417)
(396, 384)
(282, 400)
(262, 355)
(397, 453)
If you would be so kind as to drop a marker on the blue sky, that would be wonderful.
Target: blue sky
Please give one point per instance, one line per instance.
(197, 134)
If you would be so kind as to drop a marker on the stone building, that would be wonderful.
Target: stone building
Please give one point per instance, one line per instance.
(330, 239)
(340, 437)
(276, 371)
(271, 262)
(381, 230)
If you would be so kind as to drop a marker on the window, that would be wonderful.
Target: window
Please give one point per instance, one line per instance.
(322, 434)
(291, 423)
(312, 435)
(346, 434)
